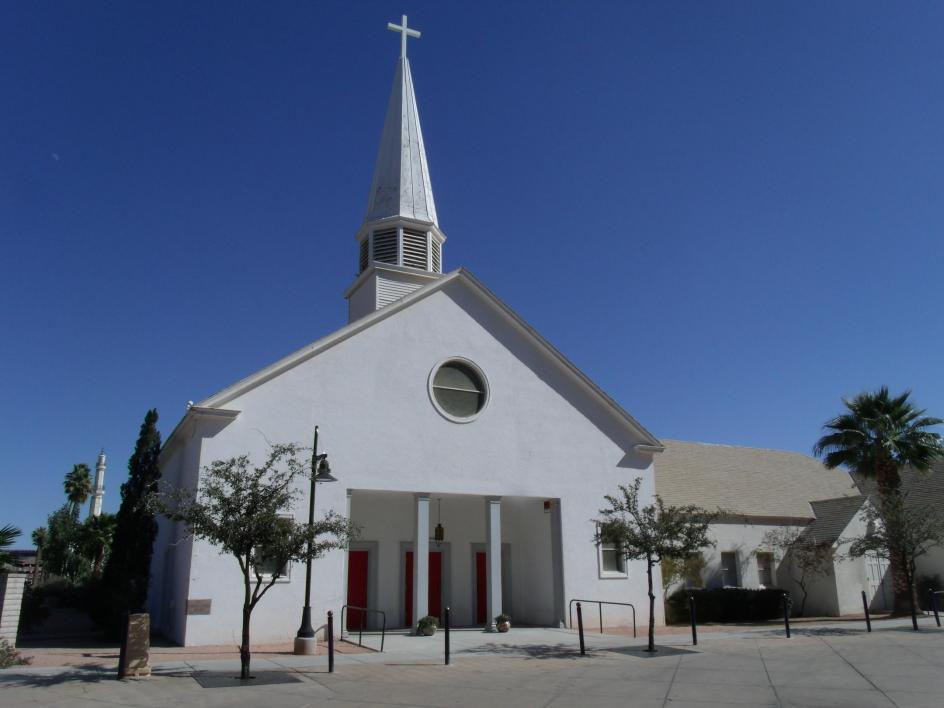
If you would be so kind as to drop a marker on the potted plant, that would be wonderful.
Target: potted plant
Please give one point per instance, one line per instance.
(427, 626)
(503, 623)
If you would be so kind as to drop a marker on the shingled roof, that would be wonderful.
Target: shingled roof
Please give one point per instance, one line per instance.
(918, 487)
(832, 518)
(746, 481)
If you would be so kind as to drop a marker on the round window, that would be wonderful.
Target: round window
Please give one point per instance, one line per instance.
(458, 389)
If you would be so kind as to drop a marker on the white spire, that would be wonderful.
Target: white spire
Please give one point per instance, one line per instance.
(95, 508)
(401, 185)
(400, 244)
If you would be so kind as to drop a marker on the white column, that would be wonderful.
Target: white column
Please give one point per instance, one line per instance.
(493, 562)
(421, 558)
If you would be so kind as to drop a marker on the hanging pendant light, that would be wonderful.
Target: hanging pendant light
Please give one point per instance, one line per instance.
(440, 533)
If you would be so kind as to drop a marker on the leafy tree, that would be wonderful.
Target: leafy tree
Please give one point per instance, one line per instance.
(875, 438)
(128, 567)
(60, 547)
(899, 528)
(95, 539)
(805, 559)
(652, 533)
(241, 509)
(78, 487)
(8, 534)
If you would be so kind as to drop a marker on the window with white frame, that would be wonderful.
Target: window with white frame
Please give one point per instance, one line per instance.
(765, 569)
(611, 560)
(267, 567)
(729, 569)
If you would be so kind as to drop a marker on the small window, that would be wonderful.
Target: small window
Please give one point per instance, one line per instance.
(765, 569)
(267, 569)
(729, 569)
(458, 390)
(611, 560)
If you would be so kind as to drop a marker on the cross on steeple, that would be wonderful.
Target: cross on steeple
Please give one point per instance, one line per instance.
(404, 33)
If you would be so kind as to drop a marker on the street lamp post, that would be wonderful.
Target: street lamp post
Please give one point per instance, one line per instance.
(320, 472)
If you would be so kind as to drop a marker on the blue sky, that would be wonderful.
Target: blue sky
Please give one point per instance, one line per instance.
(728, 214)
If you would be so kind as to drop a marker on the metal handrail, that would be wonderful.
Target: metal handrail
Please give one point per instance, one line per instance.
(600, 604)
(364, 611)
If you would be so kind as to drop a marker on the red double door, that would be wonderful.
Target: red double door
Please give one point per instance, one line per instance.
(435, 586)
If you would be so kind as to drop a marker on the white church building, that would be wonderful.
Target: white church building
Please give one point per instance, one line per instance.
(470, 452)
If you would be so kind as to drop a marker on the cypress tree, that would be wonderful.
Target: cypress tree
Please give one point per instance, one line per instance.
(128, 569)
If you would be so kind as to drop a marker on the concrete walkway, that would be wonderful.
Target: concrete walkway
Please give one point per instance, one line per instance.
(824, 665)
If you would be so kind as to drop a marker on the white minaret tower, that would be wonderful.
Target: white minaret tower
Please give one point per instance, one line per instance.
(95, 508)
(399, 244)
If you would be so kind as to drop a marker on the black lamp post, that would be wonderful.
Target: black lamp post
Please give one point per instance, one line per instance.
(320, 472)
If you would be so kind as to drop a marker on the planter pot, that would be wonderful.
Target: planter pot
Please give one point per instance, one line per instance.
(428, 631)
(503, 626)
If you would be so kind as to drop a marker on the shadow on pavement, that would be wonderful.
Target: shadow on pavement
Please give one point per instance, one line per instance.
(529, 651)
(92, 673)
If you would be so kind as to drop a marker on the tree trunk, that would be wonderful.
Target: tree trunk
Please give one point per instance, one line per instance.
(247, 613)
(652, 607)
(888, 482)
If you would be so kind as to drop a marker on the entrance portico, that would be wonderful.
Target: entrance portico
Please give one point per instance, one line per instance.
(495, 556)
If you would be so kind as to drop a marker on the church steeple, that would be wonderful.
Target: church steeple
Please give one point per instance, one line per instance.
(399, 243)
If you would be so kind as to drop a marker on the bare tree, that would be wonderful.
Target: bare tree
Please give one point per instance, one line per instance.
(805, 558)
(903, 530)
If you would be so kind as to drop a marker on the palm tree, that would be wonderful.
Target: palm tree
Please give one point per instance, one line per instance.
(39, 540)
(8, 534)
(875, 438)
(78, 487)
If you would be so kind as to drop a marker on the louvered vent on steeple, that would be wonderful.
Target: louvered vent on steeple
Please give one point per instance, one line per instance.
(437, 257)
(415, 254)
(385, 246)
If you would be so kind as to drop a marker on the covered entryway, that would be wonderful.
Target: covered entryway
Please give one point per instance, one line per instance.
(494, 555)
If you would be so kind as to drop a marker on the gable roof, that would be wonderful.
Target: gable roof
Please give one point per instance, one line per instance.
(832, 518)
(746, 481)
(459, 277)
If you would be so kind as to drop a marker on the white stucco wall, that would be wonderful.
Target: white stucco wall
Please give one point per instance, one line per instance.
(541, 436)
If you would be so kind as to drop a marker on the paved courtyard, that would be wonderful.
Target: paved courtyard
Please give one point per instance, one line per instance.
(826, 665)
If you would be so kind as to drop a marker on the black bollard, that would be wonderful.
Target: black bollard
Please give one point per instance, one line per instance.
(691, 610)
(446, 628)
(330, 642)
(914, 612)
(937, 617)
(583, 649)
(865, 606)
(786, 612)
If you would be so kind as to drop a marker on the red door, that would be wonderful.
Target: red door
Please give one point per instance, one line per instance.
(356, 588)
(481, 588)
(434, 600)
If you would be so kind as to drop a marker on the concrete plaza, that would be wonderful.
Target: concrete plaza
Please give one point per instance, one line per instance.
(824, 665)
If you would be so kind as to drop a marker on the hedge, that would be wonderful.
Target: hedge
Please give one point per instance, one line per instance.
(725, 605)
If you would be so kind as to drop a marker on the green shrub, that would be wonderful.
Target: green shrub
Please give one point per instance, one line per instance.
(725, 605)
(33, 611)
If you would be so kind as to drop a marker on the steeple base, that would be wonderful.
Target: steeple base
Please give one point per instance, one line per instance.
(382, 284)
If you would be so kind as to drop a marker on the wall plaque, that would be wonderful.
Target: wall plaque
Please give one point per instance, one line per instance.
(198, 607)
